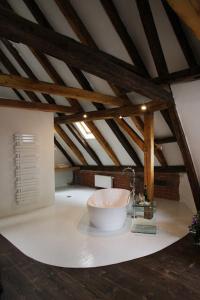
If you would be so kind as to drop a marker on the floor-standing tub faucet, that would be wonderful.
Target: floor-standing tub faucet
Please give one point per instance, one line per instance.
(132, 183)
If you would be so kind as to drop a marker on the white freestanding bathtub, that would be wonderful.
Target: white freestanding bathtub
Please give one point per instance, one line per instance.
(108, 208)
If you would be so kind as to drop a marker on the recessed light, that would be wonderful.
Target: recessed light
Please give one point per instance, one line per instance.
(143, 107)
(84, 116)
(120, 117)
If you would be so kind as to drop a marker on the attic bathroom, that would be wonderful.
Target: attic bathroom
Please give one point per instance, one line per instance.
(99, 149)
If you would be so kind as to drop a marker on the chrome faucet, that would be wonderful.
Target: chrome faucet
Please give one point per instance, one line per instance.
(132, 184)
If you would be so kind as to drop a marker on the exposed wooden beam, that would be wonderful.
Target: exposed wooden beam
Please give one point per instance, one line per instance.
(94, 61)
(56, 77)
(167, 169)
(124, 142)
(122, 32)
(81, 31)
(70, 144)
(38, 15)
(180, 76)
(36, 106)
(26, 84)
(111, 113)
(72, 129)
(187, 158)
(105, 145)
(189, 12)
(11, 68)
(136, 138)
(152, 36)
(149, 154)
(165, 140)
(58, 145)
(85, 37)
(180, 34)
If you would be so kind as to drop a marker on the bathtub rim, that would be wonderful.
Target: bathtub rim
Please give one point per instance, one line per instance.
(109, 207)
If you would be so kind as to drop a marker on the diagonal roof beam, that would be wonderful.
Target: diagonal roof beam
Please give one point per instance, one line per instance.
(84, 36)
(171, 120)
(57, 79)
(29, 72)
(10, 67)
(58, 145)
(94, 61)
(152, 36)
(114, 17)
(180, 34)
(41, 19)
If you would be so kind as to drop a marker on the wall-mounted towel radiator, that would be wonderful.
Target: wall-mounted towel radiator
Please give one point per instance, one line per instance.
(26, 168)
(103, 181)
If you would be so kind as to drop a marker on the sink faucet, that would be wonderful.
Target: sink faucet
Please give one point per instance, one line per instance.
(132, 184)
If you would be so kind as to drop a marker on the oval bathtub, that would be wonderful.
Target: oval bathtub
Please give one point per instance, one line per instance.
(108, 208)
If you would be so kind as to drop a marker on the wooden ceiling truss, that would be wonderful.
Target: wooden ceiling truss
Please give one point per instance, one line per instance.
(121, 76)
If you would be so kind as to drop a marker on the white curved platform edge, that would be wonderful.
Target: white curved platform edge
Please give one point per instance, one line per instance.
(60, 235)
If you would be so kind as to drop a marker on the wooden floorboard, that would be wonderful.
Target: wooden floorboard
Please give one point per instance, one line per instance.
(172, 273)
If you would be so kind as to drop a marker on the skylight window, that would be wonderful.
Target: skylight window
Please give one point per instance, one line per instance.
(85, 131)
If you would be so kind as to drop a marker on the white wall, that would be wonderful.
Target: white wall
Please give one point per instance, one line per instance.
(62, 178)
(186, 96)
(23, 121)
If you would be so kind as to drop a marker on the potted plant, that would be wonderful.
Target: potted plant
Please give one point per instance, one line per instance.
(194, 228)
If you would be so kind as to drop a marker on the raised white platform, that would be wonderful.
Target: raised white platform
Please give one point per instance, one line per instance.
(60, 235)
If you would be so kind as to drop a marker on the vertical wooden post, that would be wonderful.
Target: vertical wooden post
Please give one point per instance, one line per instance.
(149, 154)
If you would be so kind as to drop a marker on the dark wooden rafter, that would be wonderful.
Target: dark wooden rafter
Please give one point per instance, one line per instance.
(17, 93)
(155, 46)
(18, 29)
(126, 39)
(57, 79)
(180, 34)
(94, 61)
(180, 76)
(152, 36)
(29, 72)
(163, 70)
(70, 144)
(136, 138)
(123, 33)
(62, 150)
(82, 81)
(165, 140)
(84, 143)
(33, 97)
(129, 130)
(84, 36)
(187, 158)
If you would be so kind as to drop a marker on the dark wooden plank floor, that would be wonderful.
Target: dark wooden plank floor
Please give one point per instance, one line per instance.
(173, 273)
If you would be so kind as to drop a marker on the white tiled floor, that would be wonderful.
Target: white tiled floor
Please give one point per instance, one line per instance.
(60, 235)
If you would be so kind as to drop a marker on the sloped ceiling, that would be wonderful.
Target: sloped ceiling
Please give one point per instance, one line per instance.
(102, 31)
